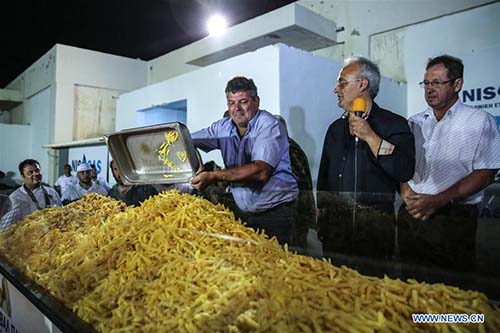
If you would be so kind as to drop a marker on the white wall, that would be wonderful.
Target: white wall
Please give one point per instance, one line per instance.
(204, 91)
(364, 19)
(38, 90)
(372, 28)
(38, 106)
(291, 82)
(93, 69)
(309, 105)
(15, 146)
(48, 89)
(464, 34)
(169, 65)
(39, 76)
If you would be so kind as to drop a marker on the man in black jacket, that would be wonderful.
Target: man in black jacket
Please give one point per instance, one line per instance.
(364, 160)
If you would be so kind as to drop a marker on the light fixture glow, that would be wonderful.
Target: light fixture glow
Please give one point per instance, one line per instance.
(216, 25)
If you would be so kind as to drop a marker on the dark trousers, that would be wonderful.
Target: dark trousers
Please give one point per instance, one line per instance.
(371, 234)
(447, 239)
(277, 221)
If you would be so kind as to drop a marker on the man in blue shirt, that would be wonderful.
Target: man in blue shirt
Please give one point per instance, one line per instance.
(254, 146)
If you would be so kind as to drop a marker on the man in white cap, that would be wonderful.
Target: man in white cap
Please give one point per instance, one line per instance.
(85, 185)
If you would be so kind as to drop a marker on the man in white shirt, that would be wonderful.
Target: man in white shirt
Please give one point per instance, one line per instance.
(66, 178)
(85, 185)
(31, 196)
(456, 158)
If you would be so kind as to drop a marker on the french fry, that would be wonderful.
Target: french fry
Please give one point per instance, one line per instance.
(178, 263)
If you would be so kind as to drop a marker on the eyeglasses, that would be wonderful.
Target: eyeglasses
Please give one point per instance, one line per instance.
(341, 83)
(434, 84)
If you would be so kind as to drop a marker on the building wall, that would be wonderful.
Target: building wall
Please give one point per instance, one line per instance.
(474, 33)
(16, 146)
(169, 65)
(48, 87)
(291, 82)
(373, 28)
(30, 124)
(308, 104)
(39, 106)
(39, 76)
(93, 69)
(204, 91)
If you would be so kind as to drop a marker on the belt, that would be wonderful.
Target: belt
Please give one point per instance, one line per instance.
(282, 205)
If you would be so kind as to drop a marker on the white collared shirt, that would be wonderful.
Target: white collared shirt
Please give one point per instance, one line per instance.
(464, 140)
(74, 192)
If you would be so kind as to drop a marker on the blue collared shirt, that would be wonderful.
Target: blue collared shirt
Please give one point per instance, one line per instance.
(265, 140)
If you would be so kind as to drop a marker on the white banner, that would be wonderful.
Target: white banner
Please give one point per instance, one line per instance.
(97, 155)
(482, 80)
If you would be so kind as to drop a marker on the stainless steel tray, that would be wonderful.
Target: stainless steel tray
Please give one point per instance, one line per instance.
(145, 156)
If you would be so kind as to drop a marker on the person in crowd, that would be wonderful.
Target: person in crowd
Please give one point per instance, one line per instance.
(65, 178)
(255, 150)
(6, 181)
(99, 180)
(2, 185)
(306, 206)
(31, 196)
(85, 185)
(364, 160)
(216, 191)
(456, 158)
(132, 195)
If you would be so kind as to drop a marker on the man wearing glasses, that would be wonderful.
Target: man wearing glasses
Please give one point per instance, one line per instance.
(364, 160)
(456, 158)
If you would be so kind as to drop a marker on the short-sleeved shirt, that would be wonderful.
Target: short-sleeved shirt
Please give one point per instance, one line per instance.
(74, 192)
(265, 140)
(21, 203)
(464, 140)
(64, 180)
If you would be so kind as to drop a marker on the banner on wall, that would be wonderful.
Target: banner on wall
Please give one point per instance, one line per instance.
(482, 80)
(97, 155)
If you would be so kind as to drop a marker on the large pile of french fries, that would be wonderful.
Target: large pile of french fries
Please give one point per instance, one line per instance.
(178, 263)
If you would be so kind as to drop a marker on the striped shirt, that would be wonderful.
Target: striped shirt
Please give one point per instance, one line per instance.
(22, 205)
(464, 140)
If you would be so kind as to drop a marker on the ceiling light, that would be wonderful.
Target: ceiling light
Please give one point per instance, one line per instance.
(216, 25)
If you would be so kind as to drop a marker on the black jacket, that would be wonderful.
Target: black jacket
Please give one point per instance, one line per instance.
(378, 178)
